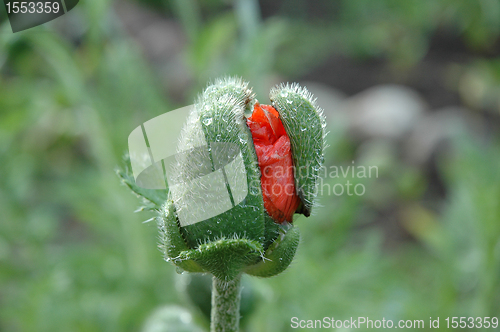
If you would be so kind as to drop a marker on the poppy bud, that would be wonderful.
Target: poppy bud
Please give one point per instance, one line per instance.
(222, 215)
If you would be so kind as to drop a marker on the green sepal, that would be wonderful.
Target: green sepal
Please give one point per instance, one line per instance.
(220, 110)
(279, 255)
(272, 231)
(305, 124)
(225, 258)
(172, 243)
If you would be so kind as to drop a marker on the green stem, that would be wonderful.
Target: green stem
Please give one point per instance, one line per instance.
(225, 305)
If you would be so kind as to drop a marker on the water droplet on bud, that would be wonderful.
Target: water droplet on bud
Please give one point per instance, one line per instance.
(242, 138)
(254, 190)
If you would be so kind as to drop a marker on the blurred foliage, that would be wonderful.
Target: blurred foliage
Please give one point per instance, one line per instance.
(308, 31)
(74, 256)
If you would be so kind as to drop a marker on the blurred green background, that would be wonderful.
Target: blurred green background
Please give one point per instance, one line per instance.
(412, 87)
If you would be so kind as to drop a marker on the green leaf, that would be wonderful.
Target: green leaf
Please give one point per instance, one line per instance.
(154, 198)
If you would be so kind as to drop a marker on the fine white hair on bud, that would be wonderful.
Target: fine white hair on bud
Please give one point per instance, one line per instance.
(309, 97)
(305, 124)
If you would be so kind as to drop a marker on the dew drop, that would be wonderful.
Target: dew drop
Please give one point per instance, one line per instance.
(284, 94)
(207, 121)
(254, 190)
(289, 101)
(242, 138)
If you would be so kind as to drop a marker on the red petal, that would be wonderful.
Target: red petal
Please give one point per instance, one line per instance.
(272, 146)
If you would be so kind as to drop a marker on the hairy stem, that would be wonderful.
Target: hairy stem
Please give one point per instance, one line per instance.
(225, 305)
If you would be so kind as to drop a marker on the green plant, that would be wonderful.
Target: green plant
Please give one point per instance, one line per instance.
(246, 238)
